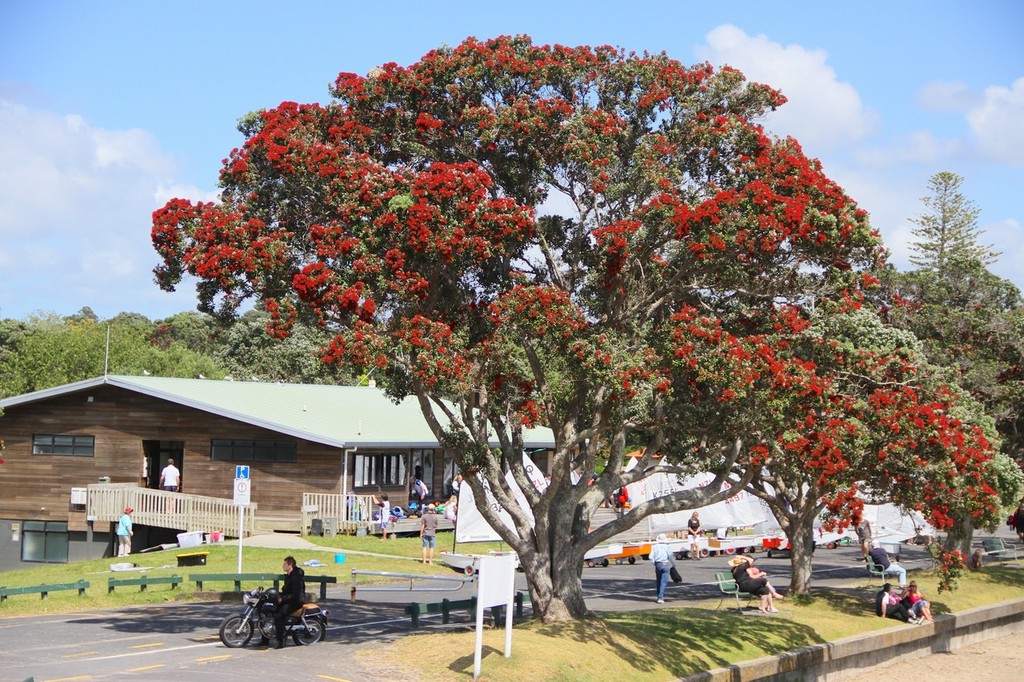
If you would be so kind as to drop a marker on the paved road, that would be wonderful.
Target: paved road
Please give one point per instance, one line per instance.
(179, 641)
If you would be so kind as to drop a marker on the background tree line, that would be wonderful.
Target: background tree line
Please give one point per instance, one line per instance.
(48, 350)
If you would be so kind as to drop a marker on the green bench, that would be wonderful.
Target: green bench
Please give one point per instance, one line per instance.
(43, 590)
(277, 578)
(446, 606)
(143, 582)
(727, 586)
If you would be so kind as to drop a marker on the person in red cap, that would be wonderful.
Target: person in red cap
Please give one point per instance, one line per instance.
(124, 533)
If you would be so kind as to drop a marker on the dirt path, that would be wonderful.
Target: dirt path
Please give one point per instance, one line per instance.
(998, 659)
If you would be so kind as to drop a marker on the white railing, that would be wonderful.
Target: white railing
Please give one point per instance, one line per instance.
(107, 501)
(356, 514)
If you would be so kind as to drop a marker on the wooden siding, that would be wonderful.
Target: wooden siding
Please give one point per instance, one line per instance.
(38, 487)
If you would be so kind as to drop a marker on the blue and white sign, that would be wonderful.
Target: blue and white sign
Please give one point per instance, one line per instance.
(241, 471)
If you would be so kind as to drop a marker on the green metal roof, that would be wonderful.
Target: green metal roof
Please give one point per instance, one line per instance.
(342, 416)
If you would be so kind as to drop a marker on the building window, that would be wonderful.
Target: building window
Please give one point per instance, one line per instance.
(253, 450)
(379, 470)
(422, 463)
(73, 446)
(44, 541)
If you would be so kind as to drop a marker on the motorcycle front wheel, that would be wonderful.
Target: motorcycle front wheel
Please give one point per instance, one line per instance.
(311, 633)
(235, 631)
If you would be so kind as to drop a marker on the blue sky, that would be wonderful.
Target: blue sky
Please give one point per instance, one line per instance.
(108, 109)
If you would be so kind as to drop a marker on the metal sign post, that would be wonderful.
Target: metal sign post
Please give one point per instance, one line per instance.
(241, 500)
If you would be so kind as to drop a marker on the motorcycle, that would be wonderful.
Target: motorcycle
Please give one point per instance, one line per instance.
(307, 625)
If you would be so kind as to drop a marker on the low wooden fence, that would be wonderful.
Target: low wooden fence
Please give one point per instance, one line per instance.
(335, 514)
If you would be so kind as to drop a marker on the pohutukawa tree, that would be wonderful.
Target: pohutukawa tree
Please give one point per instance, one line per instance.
(847, 406)
(525, 235)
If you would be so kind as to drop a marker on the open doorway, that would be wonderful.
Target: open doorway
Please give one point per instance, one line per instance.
(157, 452)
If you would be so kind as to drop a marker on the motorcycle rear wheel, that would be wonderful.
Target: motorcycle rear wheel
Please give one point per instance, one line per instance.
(312, 633)
(235, 631)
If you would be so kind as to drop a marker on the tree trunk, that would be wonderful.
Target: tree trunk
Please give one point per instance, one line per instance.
(802, 558)
(960, 536)
(556, 594)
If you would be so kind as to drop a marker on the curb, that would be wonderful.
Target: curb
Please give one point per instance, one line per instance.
(861, 653)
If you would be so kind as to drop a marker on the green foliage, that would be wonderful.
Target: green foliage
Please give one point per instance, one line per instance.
(948, 231)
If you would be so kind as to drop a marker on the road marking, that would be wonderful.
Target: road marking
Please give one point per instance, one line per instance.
(84, 653)
(68, 679)
(213, 658)
(145, 667)
(151, 652)
(328, 677)
(143, 646)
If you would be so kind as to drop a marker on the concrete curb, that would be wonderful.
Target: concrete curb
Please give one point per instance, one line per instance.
(860, 653)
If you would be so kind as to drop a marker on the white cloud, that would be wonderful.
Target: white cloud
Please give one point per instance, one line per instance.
(822, 112)
(947, 96)
(76, 207)
(996, 123)
(919, 147)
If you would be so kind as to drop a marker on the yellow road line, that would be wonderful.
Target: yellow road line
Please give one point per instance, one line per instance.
(68, 679)
(213, 658)
(328, 677)
(84, 653)
(147, 667)
(144, 646)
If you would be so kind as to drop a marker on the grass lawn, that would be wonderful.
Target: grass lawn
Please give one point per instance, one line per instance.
(654, 645)
(664, 644)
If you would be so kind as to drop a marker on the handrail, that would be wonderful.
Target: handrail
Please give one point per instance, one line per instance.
(412, 577)
(165, 509)
(356, 514)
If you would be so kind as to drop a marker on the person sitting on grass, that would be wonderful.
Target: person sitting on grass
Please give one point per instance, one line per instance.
(753, 580)
(915, 602)
(889, 605)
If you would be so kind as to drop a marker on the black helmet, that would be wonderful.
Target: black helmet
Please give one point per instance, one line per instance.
(273, 594)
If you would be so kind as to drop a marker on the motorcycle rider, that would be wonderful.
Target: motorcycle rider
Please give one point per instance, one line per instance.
(293, 594)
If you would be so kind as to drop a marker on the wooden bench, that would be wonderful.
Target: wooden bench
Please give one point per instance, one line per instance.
(996, 549)
(446, 606)
(727, 586)
(277, 578)
(143, 582)
(43, 590)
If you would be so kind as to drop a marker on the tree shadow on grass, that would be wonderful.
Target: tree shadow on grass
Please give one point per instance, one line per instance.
(688, 640)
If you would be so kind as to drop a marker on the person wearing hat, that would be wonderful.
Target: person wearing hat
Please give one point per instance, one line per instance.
(124, 533)
(753, 580)
(664, 562)
(428, 533)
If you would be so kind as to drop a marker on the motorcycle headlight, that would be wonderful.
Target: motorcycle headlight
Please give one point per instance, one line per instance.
(248, 599)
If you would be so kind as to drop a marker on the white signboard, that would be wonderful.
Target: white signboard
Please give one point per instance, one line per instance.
(242, 492)
(496, 583)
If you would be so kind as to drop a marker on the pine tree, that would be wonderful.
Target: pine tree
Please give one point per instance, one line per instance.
(948, 231)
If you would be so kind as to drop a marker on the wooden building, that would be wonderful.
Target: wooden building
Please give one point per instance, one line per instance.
(118, 432)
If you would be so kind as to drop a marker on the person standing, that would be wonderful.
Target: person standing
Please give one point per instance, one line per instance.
(293, 594)
(664, 562)
(125, 533)
(170, 477)
(428, 533)
(863, 529)
(1018, 521)
(693, 531)
(384, 510)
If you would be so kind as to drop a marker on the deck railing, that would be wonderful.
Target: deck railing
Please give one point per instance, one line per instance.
(165, 509)
(348, 518)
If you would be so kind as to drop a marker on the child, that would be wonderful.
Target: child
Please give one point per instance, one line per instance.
(383, 515)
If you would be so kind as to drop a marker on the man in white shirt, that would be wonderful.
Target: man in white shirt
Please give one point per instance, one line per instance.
(170, 477)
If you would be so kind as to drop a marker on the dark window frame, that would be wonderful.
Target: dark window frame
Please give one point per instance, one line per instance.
(63, 445)
(244, 450)
(56, 542)
(383, 469)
